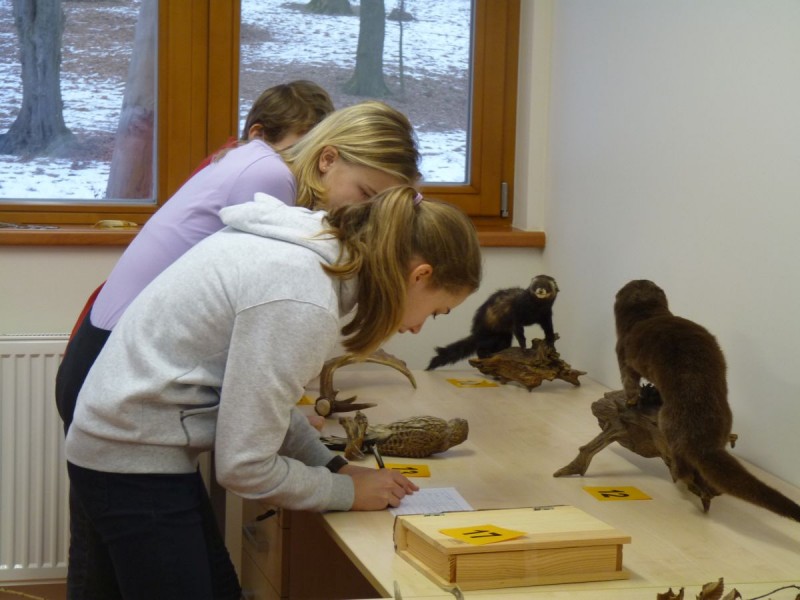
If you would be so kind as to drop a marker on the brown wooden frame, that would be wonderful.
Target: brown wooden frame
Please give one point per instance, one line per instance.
(494, 107)
(199, 56)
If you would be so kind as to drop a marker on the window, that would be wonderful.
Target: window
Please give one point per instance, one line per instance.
(64, 134)
(415, 57)
(450, 65)
(196, 44)
(198, 109)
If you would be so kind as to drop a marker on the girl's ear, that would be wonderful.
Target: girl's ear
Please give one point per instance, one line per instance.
(327, 157)
(420, 274)
(255, 131)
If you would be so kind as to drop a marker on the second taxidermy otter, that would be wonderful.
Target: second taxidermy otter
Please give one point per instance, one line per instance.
(686, 365)
(503, 316)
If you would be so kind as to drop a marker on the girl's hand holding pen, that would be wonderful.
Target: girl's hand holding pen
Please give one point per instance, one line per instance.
(377, 489)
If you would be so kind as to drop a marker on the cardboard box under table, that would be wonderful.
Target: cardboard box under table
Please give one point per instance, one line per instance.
(560, 544)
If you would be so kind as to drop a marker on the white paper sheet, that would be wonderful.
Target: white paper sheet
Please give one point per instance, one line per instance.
(431, 501)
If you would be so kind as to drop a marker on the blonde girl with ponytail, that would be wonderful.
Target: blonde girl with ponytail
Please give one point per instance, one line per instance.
(395, 245)
(214, 354)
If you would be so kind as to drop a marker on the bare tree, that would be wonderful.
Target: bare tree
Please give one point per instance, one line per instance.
(367, 79)
(400, 15)
(39, 126)
(131, 172)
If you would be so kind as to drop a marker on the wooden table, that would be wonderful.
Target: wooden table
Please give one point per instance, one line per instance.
(517, 440)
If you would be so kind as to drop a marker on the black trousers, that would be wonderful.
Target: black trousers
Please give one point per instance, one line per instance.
(92, 572)
(82, 350)
(151, 531)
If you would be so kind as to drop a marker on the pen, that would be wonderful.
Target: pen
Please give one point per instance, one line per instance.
(378, 458)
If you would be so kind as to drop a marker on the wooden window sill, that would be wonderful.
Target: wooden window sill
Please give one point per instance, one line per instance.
(78, 235)
(68, 235)
(512, 238)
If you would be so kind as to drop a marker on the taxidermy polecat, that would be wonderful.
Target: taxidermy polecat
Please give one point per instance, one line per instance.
(504, 314)
(686, 365)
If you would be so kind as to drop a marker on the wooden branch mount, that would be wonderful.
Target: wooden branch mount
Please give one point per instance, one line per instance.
(527, 366)
(634, 427)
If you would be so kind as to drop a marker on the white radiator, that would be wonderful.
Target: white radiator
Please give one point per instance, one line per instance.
(34, 526)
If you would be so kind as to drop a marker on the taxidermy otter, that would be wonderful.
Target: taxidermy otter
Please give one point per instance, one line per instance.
(505, 313)
(686, 365)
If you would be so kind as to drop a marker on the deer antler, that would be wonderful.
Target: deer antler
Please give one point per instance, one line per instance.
(327, 404)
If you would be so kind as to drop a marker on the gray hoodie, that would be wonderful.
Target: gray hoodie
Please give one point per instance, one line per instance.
(215, 353)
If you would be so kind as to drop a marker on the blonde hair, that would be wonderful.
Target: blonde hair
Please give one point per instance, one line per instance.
(371, 134)
(294, 107)
(379, 241)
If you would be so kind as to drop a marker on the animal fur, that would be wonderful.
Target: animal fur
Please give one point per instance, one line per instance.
(502, 317)
(686, 365)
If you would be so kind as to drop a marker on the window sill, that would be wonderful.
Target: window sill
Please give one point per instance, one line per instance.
(68, 235)
(510, 238)
(77, 235)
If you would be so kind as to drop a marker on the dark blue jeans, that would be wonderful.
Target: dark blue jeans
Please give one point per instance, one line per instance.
(91, 572)
(153, 537)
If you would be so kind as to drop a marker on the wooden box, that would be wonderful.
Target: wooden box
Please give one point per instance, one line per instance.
(562, 544)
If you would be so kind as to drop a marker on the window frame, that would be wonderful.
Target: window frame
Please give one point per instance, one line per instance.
(199, 44)
(493, 116)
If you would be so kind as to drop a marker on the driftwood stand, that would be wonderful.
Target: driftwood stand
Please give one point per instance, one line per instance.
(527, 366)
(634, 427)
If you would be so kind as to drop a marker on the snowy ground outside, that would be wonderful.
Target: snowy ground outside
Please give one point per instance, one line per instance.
(279, 43)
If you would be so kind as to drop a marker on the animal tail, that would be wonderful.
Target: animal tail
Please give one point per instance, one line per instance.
(454, 352)
(727, 474)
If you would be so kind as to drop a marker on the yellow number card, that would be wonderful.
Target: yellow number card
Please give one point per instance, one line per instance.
(617, 493)
(306, 400)
(482, 534)
(410, 470)
(472, 383)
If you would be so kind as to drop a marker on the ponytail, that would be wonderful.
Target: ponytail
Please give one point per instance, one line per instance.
(379, 239)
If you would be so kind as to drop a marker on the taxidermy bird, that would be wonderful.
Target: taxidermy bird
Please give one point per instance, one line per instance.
(502, 317)
(414, 437)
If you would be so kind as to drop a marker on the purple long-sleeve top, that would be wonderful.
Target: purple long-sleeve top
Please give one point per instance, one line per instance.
(189, 216)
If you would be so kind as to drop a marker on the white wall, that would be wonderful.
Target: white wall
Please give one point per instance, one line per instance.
(667, 147)
(43, 289)
(674, 147)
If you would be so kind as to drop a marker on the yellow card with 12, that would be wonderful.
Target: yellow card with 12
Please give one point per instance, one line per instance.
(617, 493)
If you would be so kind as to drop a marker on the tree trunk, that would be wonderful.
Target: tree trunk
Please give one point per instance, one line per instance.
(39, 126)
(330, 7)
(131, 172)
(367, 80)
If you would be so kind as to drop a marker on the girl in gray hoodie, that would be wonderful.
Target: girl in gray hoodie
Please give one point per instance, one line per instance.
(214, 354)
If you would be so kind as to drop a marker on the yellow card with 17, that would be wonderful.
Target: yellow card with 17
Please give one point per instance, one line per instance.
(479, 535)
